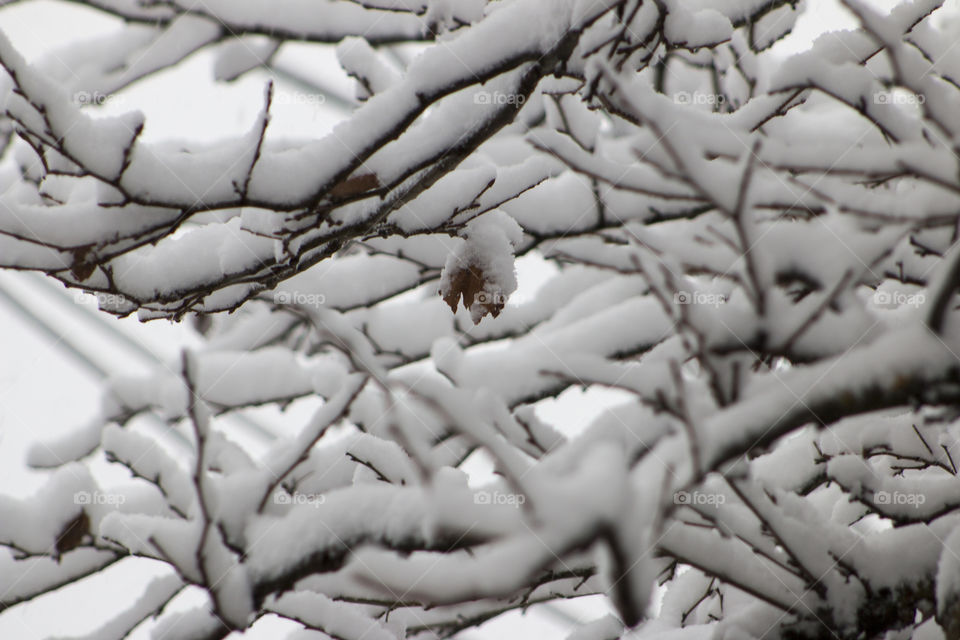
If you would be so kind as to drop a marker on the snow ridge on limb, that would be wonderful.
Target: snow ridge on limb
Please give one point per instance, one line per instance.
(186, 182)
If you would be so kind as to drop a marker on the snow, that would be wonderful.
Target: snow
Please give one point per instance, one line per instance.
(771, 27)
(604, 331)
(386, 456)
(23, 580)
(335, 619)
(287, 454)
(702, 548)
(305, 19)
(77, 223)
(948, 573)
(603, 628)
(488, 249)
(157, 593)
(37, 530)
(191, 258)
(569, 114)
(725, 372)
(72, 446)
(686, 28)
(567, 201)
(232, 587)
(917, 547)
(364, 513)
(456, 578)
(235, 378)
(147, 52)
(97, 144)
(239, 56)
(453, 193)
(360, 60)
(142, 454)
(197, 622)
(383, 276)
(409, 328)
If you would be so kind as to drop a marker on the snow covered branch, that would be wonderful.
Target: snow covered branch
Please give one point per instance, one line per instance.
(756, 258)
